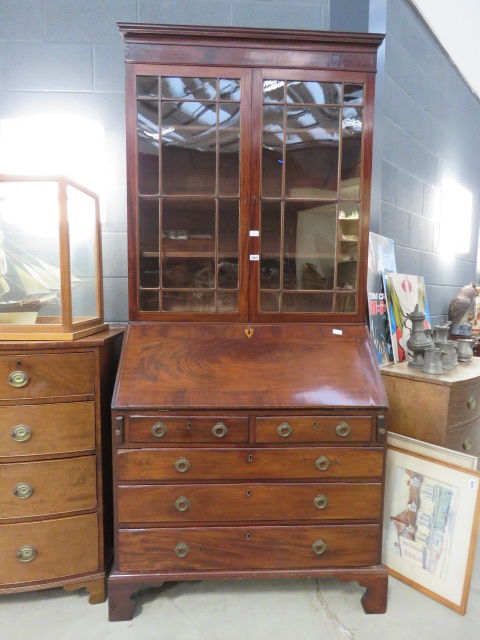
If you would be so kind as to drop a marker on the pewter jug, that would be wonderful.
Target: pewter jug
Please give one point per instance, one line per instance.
(465, 349)
(440, 331)
(432, 361)
(449, 350)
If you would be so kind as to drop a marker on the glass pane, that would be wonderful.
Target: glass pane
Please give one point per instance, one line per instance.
(269, 301)
(227, 301)
(147, 143)
(271, 234)
(149, 272)
(345, 303)
(228, 237)
(82, 236)
(188, 228)
(188, 147)
(194, 88)
(188, 301)
(273, 91)
(310, 242)
(147, 86)
(148, 227)
(149, 301)
(188, 273)
(301, 92)
(272, 151)
(308, 302)
(229, 89)
(351, 152)
(353, 94)
(312, 152)
(229, 148)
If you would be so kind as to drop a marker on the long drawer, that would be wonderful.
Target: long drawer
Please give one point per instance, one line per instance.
(47, 429)
(49, 549)
(249, 464)
(240, 548)
(255, 502)
(464, 405)
(313, 429)
(46, 375)
(49, 487)
(466, 438)
(188, 429)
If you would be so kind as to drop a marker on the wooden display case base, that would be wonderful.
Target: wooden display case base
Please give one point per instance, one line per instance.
(122, 587)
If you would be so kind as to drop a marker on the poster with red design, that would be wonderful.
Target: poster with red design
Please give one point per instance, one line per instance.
(404, 292)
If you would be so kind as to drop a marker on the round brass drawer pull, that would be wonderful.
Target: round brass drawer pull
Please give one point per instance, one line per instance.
(322, 463)
(467, 445)
(284, 430)
(182, 549)
(319, 547)
(182, 503)
(472, 403)
(182, 465)
(219, 430)
(159, 430)
(320, 501)
(18, 379)
(27, 553)
(343, 429)
(21, 433)
(23, 490)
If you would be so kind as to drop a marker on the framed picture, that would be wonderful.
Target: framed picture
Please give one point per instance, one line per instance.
(430, 525)
(429, 450)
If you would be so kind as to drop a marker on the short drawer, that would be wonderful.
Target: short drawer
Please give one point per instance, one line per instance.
(188, 429)
(313, 429)
(232, 548)
(47, 429)
(249, 502)
(45, 488)
(46, 375)
(48, 549)
(249, 464)
(465, 439)
(464, 405)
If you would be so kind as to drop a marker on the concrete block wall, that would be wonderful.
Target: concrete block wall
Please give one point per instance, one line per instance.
(431, 131)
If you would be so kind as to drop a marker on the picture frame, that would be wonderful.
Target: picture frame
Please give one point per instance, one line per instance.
(434, 451)
(430, 525)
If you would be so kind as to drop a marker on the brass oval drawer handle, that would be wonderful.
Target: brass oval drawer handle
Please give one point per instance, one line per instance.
(343, 429)
(319, 547)
(159, 430)
(467, 445)
(23, 490)
(18, 379)
(219, 430)
(284, 430)
(182, 549)
(182, 465)
(182, 503)
(322, 463)
(21, 433)
(320, 501)
(472, 403)
(27, 553)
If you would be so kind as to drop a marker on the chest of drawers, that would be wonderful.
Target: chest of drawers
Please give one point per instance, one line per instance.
(55, 484)
(443, 410)
(258, 475)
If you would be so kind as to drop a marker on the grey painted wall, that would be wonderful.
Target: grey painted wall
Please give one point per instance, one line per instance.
(68, 55)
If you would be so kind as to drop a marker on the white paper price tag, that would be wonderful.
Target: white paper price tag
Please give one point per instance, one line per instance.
(254, 257)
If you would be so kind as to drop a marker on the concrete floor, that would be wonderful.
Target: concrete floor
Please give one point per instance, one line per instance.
(243, 610)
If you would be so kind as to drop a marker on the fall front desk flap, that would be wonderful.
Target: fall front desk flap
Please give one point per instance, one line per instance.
(209, 366)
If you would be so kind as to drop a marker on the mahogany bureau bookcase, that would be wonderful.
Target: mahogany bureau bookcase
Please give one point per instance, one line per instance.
(249, 412)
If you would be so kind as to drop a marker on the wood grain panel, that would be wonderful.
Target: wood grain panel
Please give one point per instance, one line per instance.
(255, 502)
(65, 547)
(313, 429)
(249, 464)
(188, 429)
(234, 548)
(56, 428)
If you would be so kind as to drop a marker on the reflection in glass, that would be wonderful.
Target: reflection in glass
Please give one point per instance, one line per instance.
(307, 302)
(147, 86)
(148, 226)
(229, 148)
(189, 88)
(188, 227)
(271, 234)
(188, 301)
(272, 151)
(345, 303)
(273, 90)
(269, 301)
(301, 92)
(228, 237)
(353, 94)
(147, 146)
(229, 89)
(188, 273)
(351, 152)
(227, 301)
(149, 300)
(311, 163)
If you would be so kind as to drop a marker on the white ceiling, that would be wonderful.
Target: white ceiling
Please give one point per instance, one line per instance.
(457, 26)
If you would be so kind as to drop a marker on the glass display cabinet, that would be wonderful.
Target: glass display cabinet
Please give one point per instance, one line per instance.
(50, 259)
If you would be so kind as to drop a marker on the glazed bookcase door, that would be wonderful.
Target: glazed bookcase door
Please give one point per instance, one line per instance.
(190, 177)
(312, 149)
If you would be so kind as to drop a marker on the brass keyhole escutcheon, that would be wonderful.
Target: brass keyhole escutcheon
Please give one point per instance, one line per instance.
(182, 503)
(182, 549)
(284, 430)
(319, 547)
(18, 379)
(320, 501)
(322, 463)
(23, 490)
(249, 332)
(27, 553)
(159, 430)
(343, 429)
(182, 465)
(219, 430)
(21, 433)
